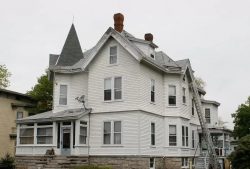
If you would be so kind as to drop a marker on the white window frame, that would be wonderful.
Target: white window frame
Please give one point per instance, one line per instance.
(185, 136)
(172, 135)
(193, 107)
(172, 105)
(152, 90)
(67, 94)
(208, 119)
(112, 79)
(113, 55)
(112, 133)
(85, 126)
(41, 127)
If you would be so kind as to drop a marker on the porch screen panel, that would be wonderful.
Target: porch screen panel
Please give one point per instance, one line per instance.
(44, 135)
(27, 136)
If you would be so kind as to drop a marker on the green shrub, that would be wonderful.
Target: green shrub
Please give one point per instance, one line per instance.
(7, 160)
(92, 167)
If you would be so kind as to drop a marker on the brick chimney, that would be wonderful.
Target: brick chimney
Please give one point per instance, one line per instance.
(118, 22)
(148, 37)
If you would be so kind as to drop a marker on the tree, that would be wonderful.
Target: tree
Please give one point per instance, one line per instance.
(240, 158)
(4, 77)
(42, 92)
(200, 82)
(242, 120)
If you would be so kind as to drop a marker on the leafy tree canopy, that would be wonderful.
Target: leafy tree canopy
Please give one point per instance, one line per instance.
(240, 158)
(42, 92)
(4, 77)
(242, 120)
(200, 82)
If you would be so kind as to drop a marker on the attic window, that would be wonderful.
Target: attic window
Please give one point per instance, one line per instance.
(152, 56)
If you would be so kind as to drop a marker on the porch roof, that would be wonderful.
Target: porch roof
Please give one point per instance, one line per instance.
(69, 114)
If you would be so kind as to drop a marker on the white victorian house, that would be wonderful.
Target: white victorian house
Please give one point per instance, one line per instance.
(138, 109)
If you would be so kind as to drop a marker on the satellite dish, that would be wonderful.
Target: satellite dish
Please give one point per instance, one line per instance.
(81, 99)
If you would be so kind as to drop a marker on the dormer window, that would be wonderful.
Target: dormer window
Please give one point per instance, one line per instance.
(113, 55)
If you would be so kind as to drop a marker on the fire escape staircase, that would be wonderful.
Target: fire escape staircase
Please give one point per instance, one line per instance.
(210, 161)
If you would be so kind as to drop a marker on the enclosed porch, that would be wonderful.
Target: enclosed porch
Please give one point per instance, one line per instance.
(66, 132)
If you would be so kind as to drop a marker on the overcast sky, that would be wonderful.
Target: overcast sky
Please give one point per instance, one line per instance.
(213, 34)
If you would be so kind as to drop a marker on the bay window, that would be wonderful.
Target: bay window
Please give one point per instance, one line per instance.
(172, 135)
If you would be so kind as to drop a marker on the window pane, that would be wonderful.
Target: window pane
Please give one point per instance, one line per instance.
(63, 95)
(117, 126)
(44, 131)
(107, 94)
(152, 162)
(27, 132)
(152, 139)
(152, 128)
(106, 139)
(83, 140)
(172, 91)
(172, 100)
(44, 139)
(107, 83)
(172, 140)
(118, 83)
(27, 140)
(152, 96)
(118, 94)
(83, 131)
(117, 138)
(107, 127)
(152, 85)
(172, 129)
(113, 55)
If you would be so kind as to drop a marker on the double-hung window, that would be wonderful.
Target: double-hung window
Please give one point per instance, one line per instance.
(83, 132)
(44, 133)
(184, 162)
(193, 139)
(172, 95)
(207, 116)
(113, 55)
(152, 134)
(184, 95)
(63, 95)
(185, 136)
(192, 107)
(19, 115)
(172, 135)
(152, 90)
(113, 88)
(112, 132)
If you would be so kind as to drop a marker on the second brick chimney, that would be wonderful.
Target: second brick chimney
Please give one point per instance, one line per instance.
(148, 37)
(118, 22)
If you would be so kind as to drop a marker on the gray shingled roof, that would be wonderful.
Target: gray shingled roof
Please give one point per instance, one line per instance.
(72, 51)
(50, 116)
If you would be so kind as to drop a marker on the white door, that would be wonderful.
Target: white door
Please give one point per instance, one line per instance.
(65, 141)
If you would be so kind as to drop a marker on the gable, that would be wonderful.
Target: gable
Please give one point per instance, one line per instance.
(125, 43)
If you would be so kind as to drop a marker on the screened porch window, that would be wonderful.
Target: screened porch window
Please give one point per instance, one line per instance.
(44, 135)
(26, 135)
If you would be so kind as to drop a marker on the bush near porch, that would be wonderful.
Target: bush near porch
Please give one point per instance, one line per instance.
(92, 167)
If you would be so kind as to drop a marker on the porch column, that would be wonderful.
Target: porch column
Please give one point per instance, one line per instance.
(223, 150)
(18, 135)
(35, 133)
(54, 135)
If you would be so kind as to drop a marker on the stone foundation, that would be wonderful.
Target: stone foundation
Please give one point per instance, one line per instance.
(115, 162)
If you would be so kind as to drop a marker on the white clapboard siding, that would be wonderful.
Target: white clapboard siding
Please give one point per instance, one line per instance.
(99, 69)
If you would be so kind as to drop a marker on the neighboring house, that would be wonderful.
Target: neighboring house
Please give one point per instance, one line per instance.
(221, 136)
(12, 107)
(139, 107)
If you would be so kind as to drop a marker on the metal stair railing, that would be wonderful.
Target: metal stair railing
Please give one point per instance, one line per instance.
(213, 159)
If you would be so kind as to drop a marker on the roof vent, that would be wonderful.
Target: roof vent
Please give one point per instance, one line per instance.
(149, 37)
(118, 22)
